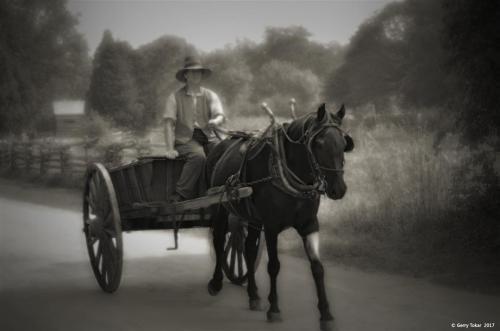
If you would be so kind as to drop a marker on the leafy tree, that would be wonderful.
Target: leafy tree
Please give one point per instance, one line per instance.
(425, 77)
(472, 38)
(292, 44)
(281, 81)
(232, 78)
(372, 66)
(42, 57)
(113, 92)
(155, 65)
(397, 54)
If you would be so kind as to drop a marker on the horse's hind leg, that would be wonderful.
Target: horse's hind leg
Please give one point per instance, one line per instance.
(219, 228)
(311, 245)
(251, 250)
(273, 268)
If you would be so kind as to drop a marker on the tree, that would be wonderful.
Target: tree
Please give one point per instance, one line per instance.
(472, 38)
(113, 92)
(280, 81)
(42, 57)
(292, 44)
(395, 55)
(231, 78)
(373, 63)
(155, 65)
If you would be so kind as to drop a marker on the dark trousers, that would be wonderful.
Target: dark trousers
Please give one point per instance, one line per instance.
(192, 182)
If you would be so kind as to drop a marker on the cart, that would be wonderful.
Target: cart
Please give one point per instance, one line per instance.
(136, 197)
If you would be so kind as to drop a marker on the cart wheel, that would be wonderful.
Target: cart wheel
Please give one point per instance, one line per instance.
(234, 264)
(102, 228)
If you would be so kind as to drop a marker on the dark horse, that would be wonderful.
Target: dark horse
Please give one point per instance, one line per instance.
(288, 172)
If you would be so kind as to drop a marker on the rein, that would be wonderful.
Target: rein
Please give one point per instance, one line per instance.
(307, 139)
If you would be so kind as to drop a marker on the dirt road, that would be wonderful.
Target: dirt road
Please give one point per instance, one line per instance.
(46, 283)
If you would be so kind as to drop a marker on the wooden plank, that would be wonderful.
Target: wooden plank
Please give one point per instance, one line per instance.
(133, 185)
(122, 187)
(144, 172)
(160, 180)
(171, 180)
(203, 202)
(141, 224)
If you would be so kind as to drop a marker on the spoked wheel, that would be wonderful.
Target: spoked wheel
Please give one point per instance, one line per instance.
(234, 265)
(102, 228)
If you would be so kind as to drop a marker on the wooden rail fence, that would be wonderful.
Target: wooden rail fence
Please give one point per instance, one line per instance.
(69, 159)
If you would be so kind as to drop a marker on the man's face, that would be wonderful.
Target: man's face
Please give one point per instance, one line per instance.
(193, 76)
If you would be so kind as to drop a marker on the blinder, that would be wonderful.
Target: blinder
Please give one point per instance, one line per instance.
(349, 146)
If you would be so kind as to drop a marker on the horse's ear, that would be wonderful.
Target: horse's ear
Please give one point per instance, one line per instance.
(341, 112)
(349, 143)
(321, 114)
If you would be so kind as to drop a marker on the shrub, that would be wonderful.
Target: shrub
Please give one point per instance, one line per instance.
(280, 81)
(95, 126)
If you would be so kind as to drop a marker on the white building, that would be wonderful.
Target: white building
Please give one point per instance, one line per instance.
(70, 116)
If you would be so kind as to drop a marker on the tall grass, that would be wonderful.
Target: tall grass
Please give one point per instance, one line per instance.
(408, 206)
(399, 188)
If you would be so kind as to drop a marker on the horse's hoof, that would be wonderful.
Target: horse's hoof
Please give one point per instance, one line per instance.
(274, 317)
(214, 289)
(255, 305)
(327, 325)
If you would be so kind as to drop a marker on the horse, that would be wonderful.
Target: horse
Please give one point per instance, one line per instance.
(288, 173)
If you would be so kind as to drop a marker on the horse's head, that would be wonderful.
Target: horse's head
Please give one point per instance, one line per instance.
(328, 143)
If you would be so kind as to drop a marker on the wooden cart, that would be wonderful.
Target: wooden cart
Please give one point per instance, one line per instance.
(136, 197)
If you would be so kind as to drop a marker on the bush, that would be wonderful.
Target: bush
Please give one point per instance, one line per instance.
(95, 126)
(279, 81)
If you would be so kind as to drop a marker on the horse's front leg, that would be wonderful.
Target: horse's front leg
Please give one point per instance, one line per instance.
(311, 245)
(251, 251)
(273, 268)
(219, 229)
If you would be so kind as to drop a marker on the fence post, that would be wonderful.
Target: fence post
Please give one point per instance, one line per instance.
(86, 150)
(5, 154)
(13, 156)
(43, 156)
(63, 159)
(28, 157)
(2, 153)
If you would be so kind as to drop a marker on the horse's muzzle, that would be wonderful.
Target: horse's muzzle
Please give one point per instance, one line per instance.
(337, 191)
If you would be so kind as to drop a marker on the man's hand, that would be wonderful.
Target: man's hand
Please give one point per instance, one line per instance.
(215, 122)
(212, 124)
(172, 154)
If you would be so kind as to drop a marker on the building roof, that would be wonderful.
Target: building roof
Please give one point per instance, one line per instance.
(68, 107)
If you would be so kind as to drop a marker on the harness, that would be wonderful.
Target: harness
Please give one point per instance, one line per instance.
(280, 175)
(289, 182)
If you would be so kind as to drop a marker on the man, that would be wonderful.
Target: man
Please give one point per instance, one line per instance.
(191, 114)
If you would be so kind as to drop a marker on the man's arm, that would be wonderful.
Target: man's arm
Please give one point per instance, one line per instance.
(216, 111)
(169, 130)
(169, 118)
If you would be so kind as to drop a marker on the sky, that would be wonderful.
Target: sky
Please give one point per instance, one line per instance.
(211, 25)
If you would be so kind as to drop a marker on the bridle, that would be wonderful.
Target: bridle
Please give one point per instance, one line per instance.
(315, 165)
(307, 139)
